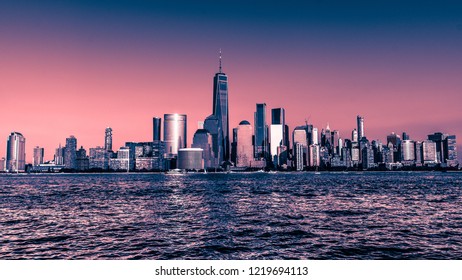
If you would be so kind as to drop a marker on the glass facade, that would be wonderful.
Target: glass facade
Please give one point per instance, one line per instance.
(175, 132)
(221, 111)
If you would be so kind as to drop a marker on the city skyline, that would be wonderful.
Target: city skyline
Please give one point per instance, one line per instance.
(66, 71)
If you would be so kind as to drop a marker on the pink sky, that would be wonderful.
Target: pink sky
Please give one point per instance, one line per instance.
(50, 90)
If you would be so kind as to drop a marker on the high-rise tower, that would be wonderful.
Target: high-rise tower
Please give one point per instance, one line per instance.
(360, 121)
(261, 132)
(175, 131)
(220, 108)
(16, 152)
(108, 139)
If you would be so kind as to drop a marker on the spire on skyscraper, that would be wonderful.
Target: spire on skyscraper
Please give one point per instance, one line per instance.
(220, 63)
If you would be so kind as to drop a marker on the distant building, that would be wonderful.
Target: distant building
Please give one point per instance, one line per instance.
(190, 159)
(156, 127)
(2, 164)
(16, 152)
(59, 155)
(99, 158)
(82, 161)
(261, 132)
(360, 123)
(124, 160)
(418, 153)
(175, 133)
(211, 124)
(429, 152)
(300, 153)
(108, 139)
(407, 151)
(70, 157)
(450, 151)
(203, 139)
(244, 146)
(38, 156)
(314, 155)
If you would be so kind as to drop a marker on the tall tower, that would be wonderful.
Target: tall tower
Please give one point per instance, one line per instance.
(220, 108)
(38, 156)
(261, 132)
(156, 124)
(360, 121)
(70, 156)
(108, 139)
(16, 152)
(277, 134)
(174, 133)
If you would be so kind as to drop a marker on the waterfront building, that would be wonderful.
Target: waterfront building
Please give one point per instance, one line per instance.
(234, 147)
(299, 151)
(16, 152)
(221, 109)
(211, 124)
(59, 155)
(124, 160)
(190, 159)
(175, 132)
(2, 164)
(156, 127)
(277, 139)
(244, 145)
(108, 139)
(261, 132)
(429, 152)
(418, 153)
(407, 151)
(99, 158)
(38, 156)
(450, 151)
(203, 139)
(438, 138)
(70, 153)
(395, 140)
(82, 161)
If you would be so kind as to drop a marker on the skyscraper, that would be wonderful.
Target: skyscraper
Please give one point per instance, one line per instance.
(261, 132)
(429, 153)
(70, 156)
(59, 155)
(156, 126)
(450, 151)
(220, 108)
(108, 139)
(277, 133)
(175, 132)
(360, 121)
(203, 139)
(16, 152)
(244, 147)
(157, 145)
(38, 156)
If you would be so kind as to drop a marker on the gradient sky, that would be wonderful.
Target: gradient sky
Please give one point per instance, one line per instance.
(76, 67)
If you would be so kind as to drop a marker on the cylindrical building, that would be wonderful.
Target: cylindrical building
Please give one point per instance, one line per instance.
(190, 159)
(175, 132)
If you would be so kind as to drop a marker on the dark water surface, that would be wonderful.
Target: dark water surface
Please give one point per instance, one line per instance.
(232, 216)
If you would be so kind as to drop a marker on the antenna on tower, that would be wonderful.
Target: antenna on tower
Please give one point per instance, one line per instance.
(220, 61)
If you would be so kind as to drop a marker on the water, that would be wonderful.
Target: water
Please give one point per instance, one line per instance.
(232, 216)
